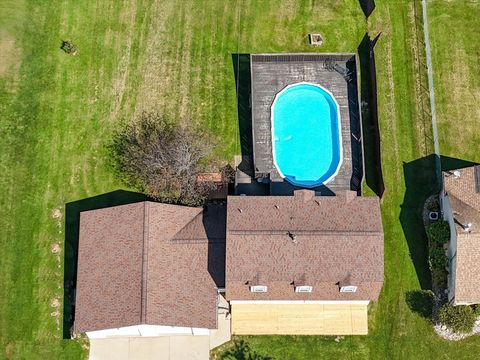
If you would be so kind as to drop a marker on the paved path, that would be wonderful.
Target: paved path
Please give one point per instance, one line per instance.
(428, 51)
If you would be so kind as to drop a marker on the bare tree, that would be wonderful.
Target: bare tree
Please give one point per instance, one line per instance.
(160, 158)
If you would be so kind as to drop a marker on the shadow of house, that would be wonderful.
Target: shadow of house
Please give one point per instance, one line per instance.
(449, 163)
(367, 6)
(72, 228)
(242, 71)
(420, 182)
(369, 108)
(215, 223)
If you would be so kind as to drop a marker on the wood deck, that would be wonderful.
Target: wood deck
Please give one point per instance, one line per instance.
(270, 73)
(299, 319)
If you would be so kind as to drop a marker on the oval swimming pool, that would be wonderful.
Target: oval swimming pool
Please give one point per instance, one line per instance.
(306, 134)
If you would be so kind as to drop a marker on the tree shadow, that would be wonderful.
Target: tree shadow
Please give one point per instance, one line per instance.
(241, 351)
(420, 302)
(243, 83)
(367, 6)
(72, 226)
(369, 108)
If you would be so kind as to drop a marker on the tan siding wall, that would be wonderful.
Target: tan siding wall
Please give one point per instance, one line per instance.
(299, 319)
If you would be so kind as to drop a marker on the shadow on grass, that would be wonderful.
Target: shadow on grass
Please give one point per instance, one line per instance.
(367, 6)
(420, 302)
(369, 108)
(72, 223)
(241, 351)
(420, 183)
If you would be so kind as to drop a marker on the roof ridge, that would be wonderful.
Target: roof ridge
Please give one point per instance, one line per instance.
(307, 232)
(143, 295)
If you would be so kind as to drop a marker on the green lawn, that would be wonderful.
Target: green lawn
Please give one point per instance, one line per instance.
(454, 32)
(57, 112)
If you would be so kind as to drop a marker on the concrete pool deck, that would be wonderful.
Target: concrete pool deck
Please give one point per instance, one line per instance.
(270, 73)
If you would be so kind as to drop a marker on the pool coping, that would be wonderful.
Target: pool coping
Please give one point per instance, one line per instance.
(339, 129)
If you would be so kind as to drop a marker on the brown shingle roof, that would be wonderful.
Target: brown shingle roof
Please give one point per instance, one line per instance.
(467, 274)
(149, 263)
(322, 241)
(464, 199)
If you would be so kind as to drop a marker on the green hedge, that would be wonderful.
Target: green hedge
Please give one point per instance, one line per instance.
(437, 258)
(460, 319)
(439, 232)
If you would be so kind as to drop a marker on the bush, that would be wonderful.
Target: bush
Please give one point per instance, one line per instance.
(439, 232)
(69, 47)
(476, 309)
(437, 258)
(460, 319)
(421, 302)
(162, 159)
(439, 277)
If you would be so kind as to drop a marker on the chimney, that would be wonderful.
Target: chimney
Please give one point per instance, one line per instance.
(304, 194)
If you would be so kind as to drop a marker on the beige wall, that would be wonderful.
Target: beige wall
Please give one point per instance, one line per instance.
(299, 319)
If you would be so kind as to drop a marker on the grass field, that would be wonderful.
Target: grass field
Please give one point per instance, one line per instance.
(454, 31)
(57, 112)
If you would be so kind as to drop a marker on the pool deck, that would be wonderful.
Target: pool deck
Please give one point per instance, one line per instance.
(270, 73)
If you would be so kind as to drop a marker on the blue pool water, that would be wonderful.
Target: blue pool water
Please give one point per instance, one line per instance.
(307, 146)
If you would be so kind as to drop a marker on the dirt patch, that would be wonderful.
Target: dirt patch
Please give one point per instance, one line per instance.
(56, 214)
(9, 54)
(55, 248)
(10, 350)
(55, 303)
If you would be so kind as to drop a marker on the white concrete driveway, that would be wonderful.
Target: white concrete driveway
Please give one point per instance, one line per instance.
(176, 347)
(173, 347)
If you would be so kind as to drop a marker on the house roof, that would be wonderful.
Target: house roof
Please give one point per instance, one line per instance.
(279, 241)
(149, 263)
(463, 189)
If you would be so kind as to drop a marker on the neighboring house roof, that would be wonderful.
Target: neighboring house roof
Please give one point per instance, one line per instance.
(149, 263)
(463, 189)
(325, 242)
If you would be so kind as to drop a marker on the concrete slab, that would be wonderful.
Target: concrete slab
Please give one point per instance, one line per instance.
(175, 347)
(114, 348)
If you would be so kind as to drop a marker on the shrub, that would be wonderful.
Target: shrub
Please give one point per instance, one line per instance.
(437, 258)
(433, 205)
(439, 232)
(69, 47)
(161, 159)
(460, 319)
(439, 277)
(476, 309)
(421, 302)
